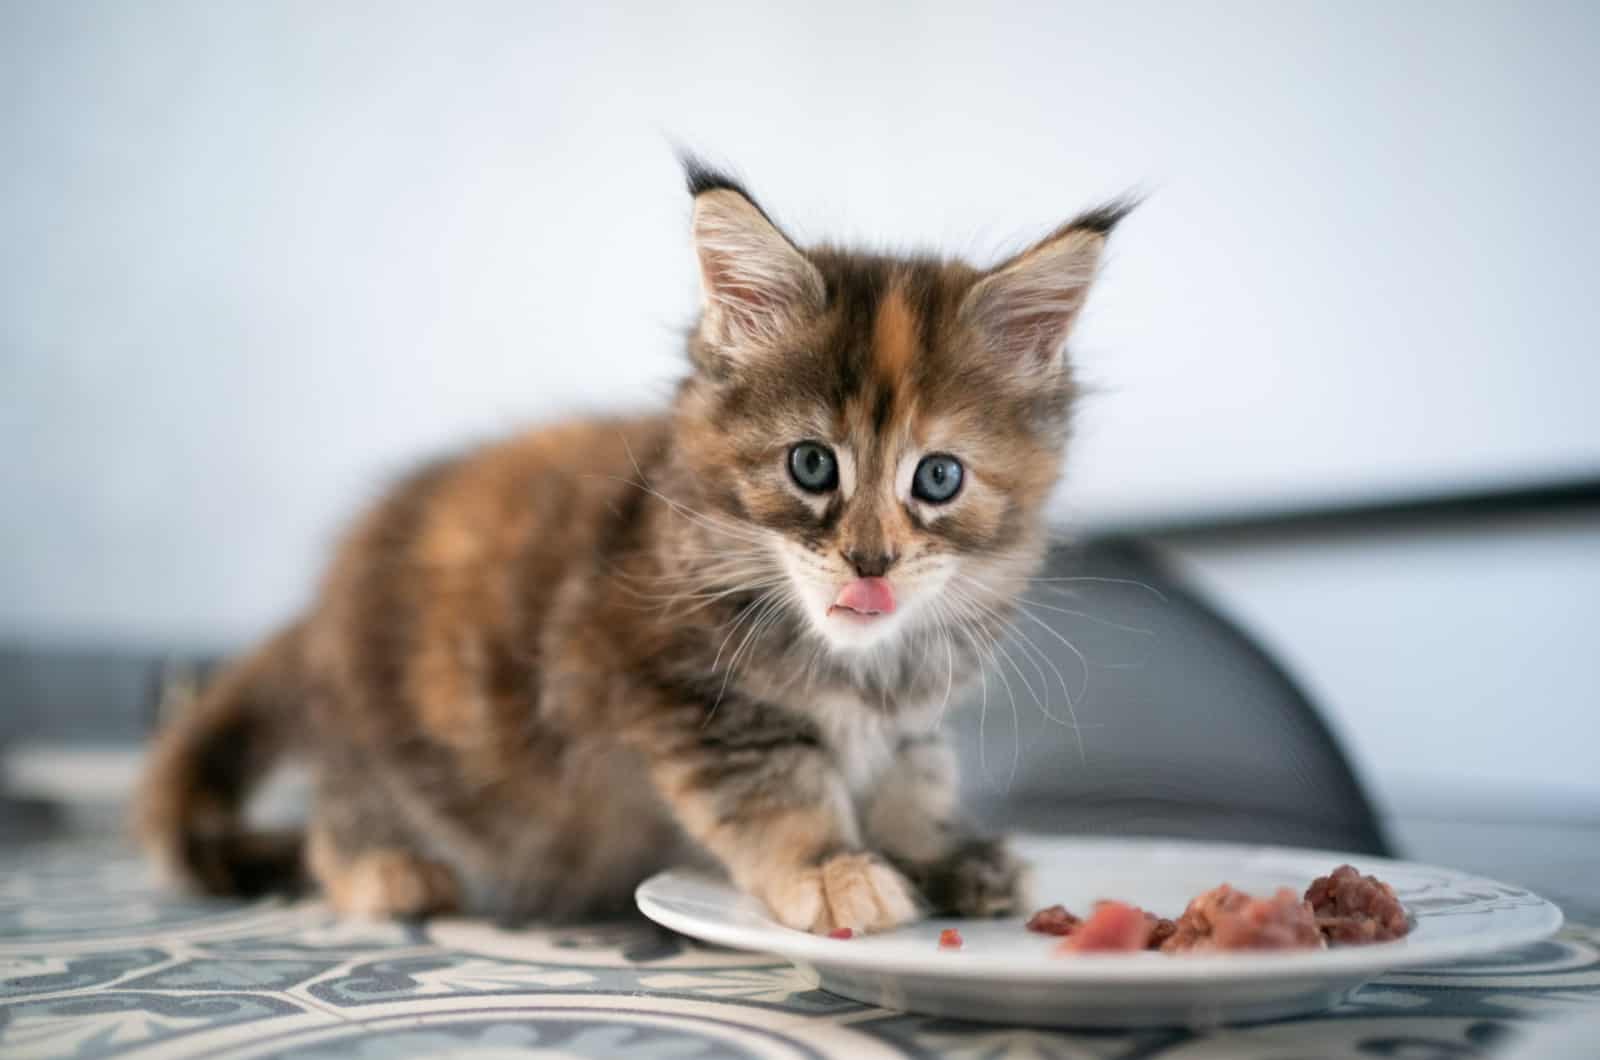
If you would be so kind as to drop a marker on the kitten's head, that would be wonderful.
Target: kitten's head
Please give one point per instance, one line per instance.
(882, 431)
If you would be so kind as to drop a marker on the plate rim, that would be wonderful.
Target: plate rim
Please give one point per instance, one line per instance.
(1122, 968)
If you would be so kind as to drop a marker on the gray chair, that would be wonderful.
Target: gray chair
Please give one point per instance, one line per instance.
(1180, 725)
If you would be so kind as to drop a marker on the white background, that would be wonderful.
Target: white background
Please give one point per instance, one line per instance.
(254, 259)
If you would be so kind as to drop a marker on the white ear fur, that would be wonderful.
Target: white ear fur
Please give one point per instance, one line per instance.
(753, 281)
(1027, 306)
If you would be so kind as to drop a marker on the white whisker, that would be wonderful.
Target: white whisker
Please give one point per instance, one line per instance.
(1136, 583)
(996, 651)
(1023, 638)
(1084, 615)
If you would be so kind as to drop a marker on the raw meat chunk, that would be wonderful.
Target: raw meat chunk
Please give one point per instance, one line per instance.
(1352, 909)
(1113, 927)
(1226, 919)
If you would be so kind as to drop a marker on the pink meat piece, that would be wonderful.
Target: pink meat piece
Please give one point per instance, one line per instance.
(1113, 927)
(1226, 919)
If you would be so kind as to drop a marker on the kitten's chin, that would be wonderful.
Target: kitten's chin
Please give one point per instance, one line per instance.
(847, 631)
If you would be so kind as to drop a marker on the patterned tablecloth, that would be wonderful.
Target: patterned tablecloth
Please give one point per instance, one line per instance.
(95, 961)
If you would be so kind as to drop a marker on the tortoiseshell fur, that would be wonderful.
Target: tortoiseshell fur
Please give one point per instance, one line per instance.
(538, 672)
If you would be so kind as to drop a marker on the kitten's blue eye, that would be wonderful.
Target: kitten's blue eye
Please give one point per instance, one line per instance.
(814, 468)
(937, 479)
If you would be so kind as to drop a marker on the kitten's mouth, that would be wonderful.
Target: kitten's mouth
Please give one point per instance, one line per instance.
(864, 598)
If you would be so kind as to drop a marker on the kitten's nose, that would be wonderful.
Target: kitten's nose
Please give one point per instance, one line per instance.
(869, 564)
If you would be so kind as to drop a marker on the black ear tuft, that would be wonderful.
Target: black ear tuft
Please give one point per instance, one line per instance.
(702, 177)
(1102, 219)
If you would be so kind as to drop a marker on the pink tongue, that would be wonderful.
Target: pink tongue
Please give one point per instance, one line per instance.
(866, 596)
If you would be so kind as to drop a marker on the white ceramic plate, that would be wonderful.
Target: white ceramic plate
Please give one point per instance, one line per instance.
(1004, 973)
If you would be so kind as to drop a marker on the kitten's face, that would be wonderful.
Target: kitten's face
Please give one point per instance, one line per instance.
(887, 430)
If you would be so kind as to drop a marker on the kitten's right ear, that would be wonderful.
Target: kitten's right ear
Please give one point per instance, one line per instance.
(1028, 304)
(754, 282)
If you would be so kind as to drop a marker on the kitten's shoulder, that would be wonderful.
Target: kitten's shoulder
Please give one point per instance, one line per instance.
(541, 494)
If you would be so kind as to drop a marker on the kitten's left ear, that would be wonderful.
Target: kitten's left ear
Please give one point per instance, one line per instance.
(754, 282)
(1028, 304)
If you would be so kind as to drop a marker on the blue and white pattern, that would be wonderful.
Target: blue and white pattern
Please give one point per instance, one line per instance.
(96, 961)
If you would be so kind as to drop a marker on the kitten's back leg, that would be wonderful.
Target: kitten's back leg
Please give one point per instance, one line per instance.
(363, 858)
(382, 882)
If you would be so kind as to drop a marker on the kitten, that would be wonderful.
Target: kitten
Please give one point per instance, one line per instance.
(725, 634)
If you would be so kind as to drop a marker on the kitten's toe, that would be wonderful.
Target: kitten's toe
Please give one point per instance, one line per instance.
(865, 893)
(797, 900)
(980, 878)
(861, 892)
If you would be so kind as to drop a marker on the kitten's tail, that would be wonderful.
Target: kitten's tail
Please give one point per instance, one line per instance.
(190, 810)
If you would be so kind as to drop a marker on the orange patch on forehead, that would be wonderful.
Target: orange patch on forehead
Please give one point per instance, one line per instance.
(894, 338)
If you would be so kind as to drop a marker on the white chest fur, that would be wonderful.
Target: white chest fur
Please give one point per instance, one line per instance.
(863, 739)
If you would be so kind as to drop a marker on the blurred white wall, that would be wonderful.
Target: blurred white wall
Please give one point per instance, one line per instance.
(254, 259)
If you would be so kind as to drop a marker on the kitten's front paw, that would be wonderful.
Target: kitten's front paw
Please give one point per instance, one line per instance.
(979, 878)
(856, 891)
